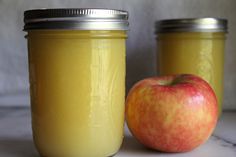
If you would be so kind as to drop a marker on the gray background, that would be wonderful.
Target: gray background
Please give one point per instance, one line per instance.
(141, 55)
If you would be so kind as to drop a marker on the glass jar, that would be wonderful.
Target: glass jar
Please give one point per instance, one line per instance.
(194, 46)
(77, 80)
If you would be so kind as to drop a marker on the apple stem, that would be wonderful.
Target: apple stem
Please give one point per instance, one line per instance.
(170, 81)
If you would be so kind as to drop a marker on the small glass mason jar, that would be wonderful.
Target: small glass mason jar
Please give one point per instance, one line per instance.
(194, 46)
(77, 80)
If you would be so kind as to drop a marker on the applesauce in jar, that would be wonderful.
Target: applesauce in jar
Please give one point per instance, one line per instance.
(77, 80)
(194, 46)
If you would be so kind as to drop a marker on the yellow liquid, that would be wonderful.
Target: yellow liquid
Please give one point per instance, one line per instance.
(201, 54)
(77, 83)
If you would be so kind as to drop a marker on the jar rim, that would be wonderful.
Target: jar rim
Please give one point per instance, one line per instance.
(207, 24)
(76, 18)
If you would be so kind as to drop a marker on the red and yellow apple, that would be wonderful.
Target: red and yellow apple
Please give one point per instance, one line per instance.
(173, 113)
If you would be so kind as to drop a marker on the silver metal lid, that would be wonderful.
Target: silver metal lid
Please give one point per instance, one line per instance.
(78, 19)
(192, 25)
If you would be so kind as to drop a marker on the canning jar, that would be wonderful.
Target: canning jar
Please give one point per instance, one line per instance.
(77, 80)
(194, 46)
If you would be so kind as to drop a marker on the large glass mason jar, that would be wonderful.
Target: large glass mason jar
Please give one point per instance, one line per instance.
(77, 80)
(194, 46)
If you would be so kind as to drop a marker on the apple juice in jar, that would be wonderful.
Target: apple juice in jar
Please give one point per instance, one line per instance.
(77, 80)
(194, 46)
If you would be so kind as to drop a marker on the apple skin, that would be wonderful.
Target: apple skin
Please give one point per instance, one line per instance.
(175, 113)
